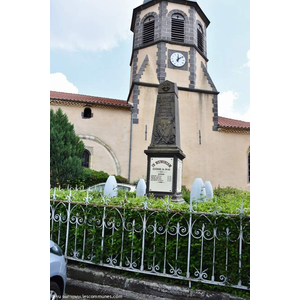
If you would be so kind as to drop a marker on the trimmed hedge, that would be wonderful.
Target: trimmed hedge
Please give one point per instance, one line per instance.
(228, 201)
(108, 250)
(91, 177)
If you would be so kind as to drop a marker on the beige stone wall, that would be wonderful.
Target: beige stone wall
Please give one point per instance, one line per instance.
(175, 75)
(201, 79)
(153, 8)
(106, 134)
(101, 159)
(149, 75)
(146, 117)
(184, 8)
(221, 158)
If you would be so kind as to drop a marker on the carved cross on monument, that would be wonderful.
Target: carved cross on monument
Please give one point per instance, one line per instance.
(164, 168)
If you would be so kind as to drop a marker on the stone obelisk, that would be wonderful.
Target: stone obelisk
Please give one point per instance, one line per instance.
(164, 168)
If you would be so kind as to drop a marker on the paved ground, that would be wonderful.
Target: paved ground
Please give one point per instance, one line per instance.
(79, 290)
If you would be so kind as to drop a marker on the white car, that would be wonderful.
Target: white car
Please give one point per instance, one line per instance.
(120, 186)
(58, 272)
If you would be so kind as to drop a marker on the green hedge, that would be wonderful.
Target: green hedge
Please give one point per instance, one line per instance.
(227, 203)
(91, 177)
(90, 230)
(168, 216)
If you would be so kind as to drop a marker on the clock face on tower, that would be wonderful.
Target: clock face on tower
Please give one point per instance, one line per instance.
(178, 59)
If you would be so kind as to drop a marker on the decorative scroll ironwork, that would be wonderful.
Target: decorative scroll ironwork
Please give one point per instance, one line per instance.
(196, 247)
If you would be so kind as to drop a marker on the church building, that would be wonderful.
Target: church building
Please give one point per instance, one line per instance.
(169, 43)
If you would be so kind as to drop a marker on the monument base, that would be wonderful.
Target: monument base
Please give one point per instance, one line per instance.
(164, 173)
(177, 198)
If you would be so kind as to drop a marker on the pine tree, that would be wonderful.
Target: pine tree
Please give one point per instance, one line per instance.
(66, 150)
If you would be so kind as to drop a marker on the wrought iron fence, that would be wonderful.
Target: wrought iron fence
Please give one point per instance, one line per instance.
(196, 247)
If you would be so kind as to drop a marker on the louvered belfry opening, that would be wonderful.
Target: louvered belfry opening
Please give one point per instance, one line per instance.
(177, 32)
(148, 32)
(200, 38)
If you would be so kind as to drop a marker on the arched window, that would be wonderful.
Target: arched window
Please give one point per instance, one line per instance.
(148, 30)
(87, 113)
(249, 167)
(177, 28)
(200, 36)
(86, 158)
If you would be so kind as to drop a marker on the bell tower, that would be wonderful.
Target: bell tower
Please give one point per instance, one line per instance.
(169, 43)
(171, 26)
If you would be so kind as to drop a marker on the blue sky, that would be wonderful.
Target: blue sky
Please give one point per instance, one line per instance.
(90, 52)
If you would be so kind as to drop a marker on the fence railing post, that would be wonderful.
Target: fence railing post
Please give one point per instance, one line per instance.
(143, 237)
(189, 244)
(241, 243)
(102, 235)
(69, 198)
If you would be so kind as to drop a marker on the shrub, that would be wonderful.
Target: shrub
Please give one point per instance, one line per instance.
(121, 179)
(91, 177)
(66, 150)
(118, 246)
(185, 194)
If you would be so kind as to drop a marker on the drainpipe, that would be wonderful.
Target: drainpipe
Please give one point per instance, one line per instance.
(130, 142)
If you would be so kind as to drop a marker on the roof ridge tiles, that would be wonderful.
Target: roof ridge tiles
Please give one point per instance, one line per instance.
(63, 96)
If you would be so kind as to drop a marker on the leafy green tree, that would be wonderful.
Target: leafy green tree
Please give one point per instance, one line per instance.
(66, 150)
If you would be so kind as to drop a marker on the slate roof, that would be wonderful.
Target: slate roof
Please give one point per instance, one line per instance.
(231, 123)
(88, 99)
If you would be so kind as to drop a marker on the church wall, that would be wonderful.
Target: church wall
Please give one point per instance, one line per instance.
(153, 8)
(201, 80)
(109, 127)
(146, 107)
(220, 158)
(100, 160)
(150, 73)
(171, 6)
(179, 76)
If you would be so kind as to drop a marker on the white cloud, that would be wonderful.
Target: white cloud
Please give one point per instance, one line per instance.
(226, 102)
(60, 83)
(247, 64)
(90, 25)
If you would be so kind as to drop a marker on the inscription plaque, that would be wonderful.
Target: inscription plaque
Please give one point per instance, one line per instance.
(161, 174)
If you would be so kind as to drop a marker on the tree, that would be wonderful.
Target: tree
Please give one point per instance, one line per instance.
(66, 150)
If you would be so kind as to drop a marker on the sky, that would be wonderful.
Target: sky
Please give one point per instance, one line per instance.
(90, 52)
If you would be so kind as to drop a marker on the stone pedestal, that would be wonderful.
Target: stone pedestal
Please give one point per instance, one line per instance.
(164, 168)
